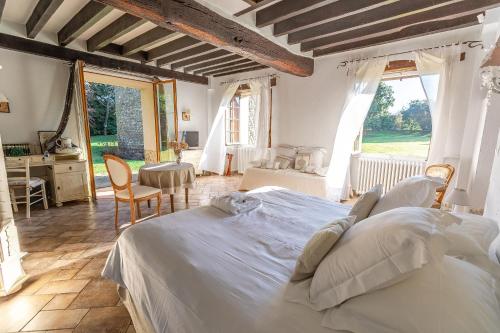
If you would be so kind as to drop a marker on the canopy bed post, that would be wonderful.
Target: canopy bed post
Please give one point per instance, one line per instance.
(12, 274)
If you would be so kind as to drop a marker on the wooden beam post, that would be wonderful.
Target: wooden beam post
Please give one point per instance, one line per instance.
(44, 9)
(58, 52)
(195, 20)
(282, 10)
(82, 21)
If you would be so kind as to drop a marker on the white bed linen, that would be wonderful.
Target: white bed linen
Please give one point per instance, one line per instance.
(202, 270)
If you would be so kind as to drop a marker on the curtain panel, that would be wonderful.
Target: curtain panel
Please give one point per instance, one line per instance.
(214, 153)
(363, 81)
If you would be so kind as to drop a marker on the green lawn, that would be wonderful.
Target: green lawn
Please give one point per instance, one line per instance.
(411, 144)
(103, 143)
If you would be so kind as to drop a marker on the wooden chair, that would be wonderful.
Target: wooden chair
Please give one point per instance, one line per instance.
(120, 176)
(444, 171)
(27, 185)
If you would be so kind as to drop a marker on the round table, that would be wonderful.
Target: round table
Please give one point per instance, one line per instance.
(169, 177)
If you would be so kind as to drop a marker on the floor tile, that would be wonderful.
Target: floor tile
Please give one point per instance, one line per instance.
(108, 319)
(97, 293)
(63, 287)
(15, 313)
(60, 302)
(56, 319)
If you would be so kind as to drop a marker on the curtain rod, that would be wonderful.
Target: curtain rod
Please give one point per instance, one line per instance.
(470, 43)
(251, 78)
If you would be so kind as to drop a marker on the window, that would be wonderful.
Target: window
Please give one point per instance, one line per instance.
(241, 119)
(399, 120)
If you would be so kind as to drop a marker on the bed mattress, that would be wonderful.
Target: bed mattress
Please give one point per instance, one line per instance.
(202, 270)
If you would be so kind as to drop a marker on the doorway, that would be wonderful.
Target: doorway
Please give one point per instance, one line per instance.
(166, 119)
(121, 117)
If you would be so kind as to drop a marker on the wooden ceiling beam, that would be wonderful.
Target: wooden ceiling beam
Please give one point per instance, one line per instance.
(119, 27)
(209, 63)
(203, 57)
(253, 7)
(117, 50)
(185, 54)
(225, 65)
(42, 12)
(63, 53)
(330, 12)
(453, 10)
(406, 33)
(242, 70)
(392, 10)
(192, 18)
(89, 15)
(284, 9)
(232, 68)
(145, 40)
(176, 45)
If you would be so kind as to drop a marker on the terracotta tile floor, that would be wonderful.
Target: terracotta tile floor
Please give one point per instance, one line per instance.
(67, 249)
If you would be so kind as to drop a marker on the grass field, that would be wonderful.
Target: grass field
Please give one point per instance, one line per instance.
(102, 143)
(413, 144)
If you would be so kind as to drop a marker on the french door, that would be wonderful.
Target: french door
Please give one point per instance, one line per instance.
(166, 118)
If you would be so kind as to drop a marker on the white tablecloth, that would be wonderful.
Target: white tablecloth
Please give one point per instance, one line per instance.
(169, 177)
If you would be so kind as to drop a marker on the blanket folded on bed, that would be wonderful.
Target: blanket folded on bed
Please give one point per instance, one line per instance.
(236, 203)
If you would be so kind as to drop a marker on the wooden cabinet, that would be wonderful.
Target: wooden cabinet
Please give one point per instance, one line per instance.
(69, 181)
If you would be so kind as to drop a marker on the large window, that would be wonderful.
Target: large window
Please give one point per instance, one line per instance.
(241, 119)
(399, 120)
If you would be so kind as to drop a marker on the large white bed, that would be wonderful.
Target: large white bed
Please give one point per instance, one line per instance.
(202, 270)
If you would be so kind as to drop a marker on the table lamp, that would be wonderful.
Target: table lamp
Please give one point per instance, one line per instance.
(459, 200)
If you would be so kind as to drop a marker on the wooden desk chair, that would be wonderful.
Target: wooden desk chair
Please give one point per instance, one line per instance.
(27, 184)
(444, 171)
(121, 180)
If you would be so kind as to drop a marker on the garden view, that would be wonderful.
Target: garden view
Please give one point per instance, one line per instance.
(403, 132)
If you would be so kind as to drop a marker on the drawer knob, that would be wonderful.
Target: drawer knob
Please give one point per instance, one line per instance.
(59, 187)
(71, 168)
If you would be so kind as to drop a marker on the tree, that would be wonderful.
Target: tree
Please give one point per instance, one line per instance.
(417, 116)
(101, 108)
(379, 117)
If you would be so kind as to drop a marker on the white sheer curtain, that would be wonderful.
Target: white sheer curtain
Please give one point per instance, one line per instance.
(435, 72)
(361, 88)
(214, 153)
(260, 91)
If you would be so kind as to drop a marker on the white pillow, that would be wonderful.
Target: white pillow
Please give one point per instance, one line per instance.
(375, 253)
(318, 247)
(317, 155)
(286, 150)
(451, 297)
(417, 191)
(365, 203)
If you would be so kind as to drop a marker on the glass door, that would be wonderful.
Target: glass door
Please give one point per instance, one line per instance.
(166, 118)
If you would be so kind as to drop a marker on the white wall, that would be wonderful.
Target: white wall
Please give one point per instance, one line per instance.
(193, 98)
(36, 89)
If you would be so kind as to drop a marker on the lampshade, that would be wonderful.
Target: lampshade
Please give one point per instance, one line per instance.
(459, 197)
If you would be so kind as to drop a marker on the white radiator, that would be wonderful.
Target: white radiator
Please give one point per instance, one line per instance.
(244, 156)
(386, 171)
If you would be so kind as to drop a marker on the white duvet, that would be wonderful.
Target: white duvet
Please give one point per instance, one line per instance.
(203, 271)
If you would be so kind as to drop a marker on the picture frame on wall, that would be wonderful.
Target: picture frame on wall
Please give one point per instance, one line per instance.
(43, 137)
(186, 116)
(4, 107)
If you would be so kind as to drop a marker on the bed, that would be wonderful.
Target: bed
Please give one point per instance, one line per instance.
(202, 270)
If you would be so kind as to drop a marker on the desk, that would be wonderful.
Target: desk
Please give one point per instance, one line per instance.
(68, 178)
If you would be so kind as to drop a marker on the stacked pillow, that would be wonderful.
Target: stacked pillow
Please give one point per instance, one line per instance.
(399, 271)
(305, 159)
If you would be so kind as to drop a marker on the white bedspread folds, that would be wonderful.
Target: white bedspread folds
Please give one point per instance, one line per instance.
(203, 270)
